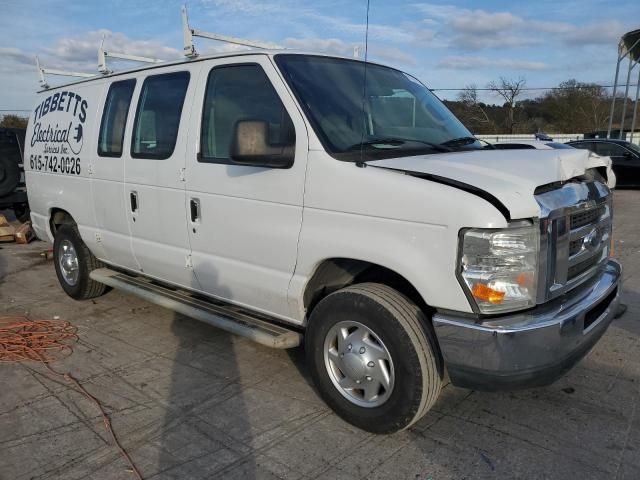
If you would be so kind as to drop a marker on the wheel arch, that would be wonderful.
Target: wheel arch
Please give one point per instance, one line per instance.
(332, 274)
(58, 217)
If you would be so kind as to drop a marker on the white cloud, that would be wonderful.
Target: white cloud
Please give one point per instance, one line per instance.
(16, 55)
(248, 6)
(497, 41)
(81, 50)
(471, 62)
(550, 27)
(481, 22)
(335, 46)
(81, 53)
(391, 55)
(480, 29)
(337, 23)
(325, 45)
(605, 32)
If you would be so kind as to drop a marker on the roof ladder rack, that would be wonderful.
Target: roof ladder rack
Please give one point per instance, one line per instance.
(103, 54)
(63, 73)
(188, 33)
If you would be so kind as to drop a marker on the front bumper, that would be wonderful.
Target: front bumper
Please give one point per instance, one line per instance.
(532, 348)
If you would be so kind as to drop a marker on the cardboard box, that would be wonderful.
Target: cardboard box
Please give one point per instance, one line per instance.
(24, 233)
(6, 230)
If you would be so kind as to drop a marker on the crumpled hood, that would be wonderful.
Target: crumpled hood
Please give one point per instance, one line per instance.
(511, 176)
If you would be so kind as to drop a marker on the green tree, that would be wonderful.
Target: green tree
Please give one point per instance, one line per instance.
(578, 107)
(13, 121)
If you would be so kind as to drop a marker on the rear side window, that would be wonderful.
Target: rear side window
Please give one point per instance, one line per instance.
(234, 93)
(114, 118)
(155, 129)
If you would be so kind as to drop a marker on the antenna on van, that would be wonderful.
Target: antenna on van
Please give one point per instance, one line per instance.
(103, 54)
(188, 33)
(42, 72)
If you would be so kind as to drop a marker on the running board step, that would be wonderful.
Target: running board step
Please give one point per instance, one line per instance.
(231, 318)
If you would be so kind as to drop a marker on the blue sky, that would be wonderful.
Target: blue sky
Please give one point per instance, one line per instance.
(446, 44)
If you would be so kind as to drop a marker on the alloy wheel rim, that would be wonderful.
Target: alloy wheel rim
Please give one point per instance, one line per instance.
(68, 262)
(359, 364)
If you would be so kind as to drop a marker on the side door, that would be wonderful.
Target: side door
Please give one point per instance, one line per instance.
(154, 174)
(244, 220)
(107, 180)
(623, 165)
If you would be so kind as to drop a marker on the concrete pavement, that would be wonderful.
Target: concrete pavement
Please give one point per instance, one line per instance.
(189, 401)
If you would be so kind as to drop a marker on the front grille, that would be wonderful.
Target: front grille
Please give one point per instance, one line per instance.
(575, 246)
(574, 235)
(580, 268)
(587, 239)
(585, 218)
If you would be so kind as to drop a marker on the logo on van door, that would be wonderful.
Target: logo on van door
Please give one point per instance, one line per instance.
(60, 135)
(58, 129)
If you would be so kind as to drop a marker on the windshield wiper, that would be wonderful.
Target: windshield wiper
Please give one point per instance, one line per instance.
(399, 141)
(460, 141)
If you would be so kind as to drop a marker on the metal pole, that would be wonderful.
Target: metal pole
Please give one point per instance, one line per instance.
(635, 108)
(613, 98)
(626, 93)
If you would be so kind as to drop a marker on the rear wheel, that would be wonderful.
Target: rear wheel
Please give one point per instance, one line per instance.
(373, 357)
(73, 263)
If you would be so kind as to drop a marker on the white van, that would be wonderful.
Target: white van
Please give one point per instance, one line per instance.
(286, 196)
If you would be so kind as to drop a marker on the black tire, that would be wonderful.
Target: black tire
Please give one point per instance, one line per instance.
(409, 339)
(9, 175)
(84, 288)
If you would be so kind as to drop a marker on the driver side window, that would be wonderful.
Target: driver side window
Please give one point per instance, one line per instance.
(235, 93)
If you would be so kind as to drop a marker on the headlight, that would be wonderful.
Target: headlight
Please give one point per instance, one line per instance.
(499, 268)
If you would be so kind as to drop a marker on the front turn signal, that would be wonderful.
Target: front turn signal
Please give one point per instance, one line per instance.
(487, 294)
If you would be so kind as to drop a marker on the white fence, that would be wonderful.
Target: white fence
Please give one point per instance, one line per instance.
(557, 137)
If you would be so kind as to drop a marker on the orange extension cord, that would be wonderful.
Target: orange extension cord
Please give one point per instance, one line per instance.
(46, 341)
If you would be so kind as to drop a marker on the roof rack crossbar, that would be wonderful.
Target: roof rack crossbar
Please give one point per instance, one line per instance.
(103, 54)
(42, 72)
(188, 33)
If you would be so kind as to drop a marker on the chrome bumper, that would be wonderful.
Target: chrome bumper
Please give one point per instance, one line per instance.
(532, 348)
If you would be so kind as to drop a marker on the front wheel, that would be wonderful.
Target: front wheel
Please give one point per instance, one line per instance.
(74, 262)
(373, 357)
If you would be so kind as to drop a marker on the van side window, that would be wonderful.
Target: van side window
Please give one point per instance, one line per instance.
(240, 92)
(114, 118)
(155, 129)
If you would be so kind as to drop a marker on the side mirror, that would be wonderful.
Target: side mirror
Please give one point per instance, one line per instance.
(251, 146)
(627, 155)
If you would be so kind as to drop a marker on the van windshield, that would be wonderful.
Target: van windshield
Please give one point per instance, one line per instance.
(394, 114)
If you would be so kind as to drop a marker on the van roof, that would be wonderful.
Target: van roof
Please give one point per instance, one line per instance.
(199, 58)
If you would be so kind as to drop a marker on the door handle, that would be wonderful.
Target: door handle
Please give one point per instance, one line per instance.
(133, 198)
(194, 207)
